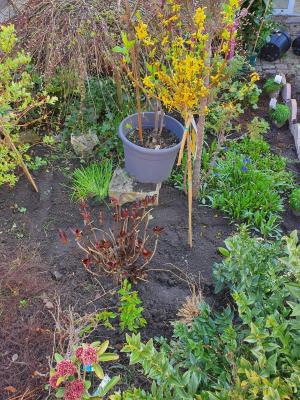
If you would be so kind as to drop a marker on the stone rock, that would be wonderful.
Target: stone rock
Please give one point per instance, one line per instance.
(126, 190)
(286, 92)
(84, 144)
(283, 81)
(295, 130)
(293, 107)
(56, 275)
(29, 136)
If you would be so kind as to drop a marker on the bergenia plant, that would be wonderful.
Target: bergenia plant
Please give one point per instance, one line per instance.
(125, 248)
(182, 62)
(81, 377)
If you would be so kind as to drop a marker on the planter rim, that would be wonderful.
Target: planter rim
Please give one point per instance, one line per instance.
(146, 150)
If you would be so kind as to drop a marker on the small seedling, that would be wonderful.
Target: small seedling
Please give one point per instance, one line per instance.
(23, 303)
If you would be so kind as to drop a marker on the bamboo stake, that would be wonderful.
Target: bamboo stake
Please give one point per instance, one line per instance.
(183, 141)
(190, 189)
(22, 164)
(135, 70)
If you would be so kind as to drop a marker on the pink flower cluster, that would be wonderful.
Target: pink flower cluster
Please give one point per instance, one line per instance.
(87, 355)
(74, 390)
(65, 368)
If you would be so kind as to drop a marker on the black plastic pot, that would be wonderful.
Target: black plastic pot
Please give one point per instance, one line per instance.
(277, 46)
(296, 46)
(149, 165)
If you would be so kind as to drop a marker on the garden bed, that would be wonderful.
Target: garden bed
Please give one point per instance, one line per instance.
(48, 270)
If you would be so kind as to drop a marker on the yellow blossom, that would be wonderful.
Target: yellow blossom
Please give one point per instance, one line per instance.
(148, 82)
(141, 31)
(200, 17)
(169, 20)
(165, 40)
(254, 77)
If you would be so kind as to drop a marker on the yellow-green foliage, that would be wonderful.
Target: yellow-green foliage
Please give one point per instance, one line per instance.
(16, 100)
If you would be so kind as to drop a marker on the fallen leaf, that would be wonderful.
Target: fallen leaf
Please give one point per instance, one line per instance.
(10, 389)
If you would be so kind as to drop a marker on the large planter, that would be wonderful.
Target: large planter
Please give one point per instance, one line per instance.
(276, 47)
(149, 165)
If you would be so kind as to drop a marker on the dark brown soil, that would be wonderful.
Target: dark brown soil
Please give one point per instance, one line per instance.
(37, 229)
(46, 267)
(153, 140)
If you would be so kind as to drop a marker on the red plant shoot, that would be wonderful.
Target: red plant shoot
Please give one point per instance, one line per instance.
(123, 249)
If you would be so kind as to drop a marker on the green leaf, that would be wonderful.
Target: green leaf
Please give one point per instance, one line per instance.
(87, 385)
(60, 393)
(224, 251)
(108, 357)
(118, 49)
(98, 371)
(109, 385)
(102, 348)
(58, 357)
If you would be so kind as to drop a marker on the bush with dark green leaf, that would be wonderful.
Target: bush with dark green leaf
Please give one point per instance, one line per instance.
(253, 355)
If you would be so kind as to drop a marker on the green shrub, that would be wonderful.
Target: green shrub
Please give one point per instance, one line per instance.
(257, 127)
(271, 86)
(254, 356)
(295, 199)
(280, 114)
(17, 102)
(130, 309)
(98, 113)
(248, 184)
(92, 181)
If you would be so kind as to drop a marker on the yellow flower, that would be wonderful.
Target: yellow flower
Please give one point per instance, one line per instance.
(169, 20)
(165, 40)
(200, 17)
(141, 31)
(148, 82)
(254, 77)
(176, 8)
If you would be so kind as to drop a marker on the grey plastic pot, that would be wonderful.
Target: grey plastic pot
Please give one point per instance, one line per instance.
(149, 165)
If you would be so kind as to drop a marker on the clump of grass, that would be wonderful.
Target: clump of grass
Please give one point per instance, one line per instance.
(92, 181)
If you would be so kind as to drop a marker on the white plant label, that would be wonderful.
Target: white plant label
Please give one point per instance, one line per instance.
(273, 103)
(278, 79)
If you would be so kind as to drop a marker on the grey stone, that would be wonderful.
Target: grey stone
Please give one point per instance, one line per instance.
(125, 189)
(84, 144)
(283, 79)
(295, 130)
(293, 107)
(286, 92)
(56, 275)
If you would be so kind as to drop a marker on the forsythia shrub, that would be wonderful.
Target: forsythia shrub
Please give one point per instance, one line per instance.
(16, 101)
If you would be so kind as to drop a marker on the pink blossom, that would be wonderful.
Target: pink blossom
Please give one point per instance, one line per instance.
(53, 380)
(74, 390)
(65, 368)
(87, 355)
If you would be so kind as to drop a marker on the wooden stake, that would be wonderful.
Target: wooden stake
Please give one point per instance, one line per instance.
(22, 164)
(190, 189)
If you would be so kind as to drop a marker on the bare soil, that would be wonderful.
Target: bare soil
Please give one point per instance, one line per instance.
(153, 140)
